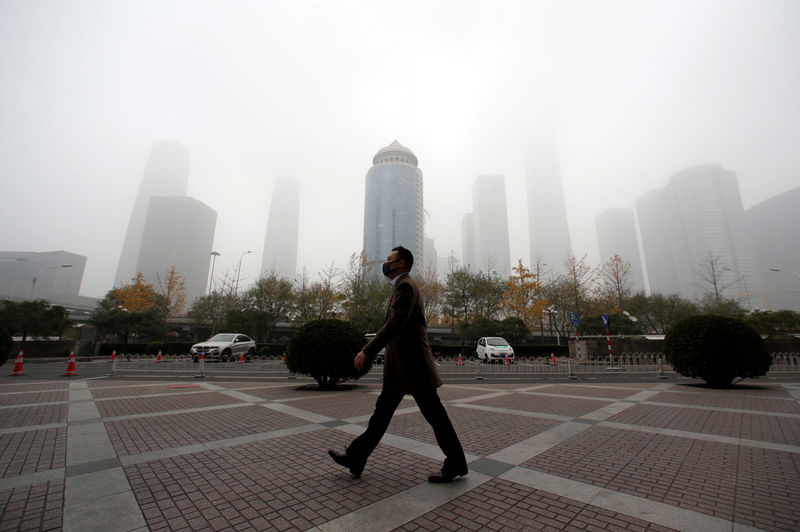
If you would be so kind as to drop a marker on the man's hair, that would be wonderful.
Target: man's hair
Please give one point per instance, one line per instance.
(406, 255)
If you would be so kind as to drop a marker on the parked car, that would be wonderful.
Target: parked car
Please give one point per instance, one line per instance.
(224, 346)
(493, 348)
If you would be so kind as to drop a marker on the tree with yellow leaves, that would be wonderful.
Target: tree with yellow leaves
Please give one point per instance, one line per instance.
(522, 299)
(135, 308)
(172, 286)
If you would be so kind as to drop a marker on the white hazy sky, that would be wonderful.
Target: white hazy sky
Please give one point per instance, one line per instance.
(635, 90)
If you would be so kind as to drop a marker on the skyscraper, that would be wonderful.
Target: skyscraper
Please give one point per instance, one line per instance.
(393, 214)
(492, 250)
(769, 224)
(697, 215)
(468, 240)
(178, 232)
(40, 275)
(616, 235)
(280, 243)
(547, 214)
(166, 174)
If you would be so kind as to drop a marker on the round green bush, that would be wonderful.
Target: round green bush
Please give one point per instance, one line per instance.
(324, 350)
(716, 349)
(5, 345)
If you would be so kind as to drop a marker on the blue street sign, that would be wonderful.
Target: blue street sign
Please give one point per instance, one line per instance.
(574, 320)
(604, 319)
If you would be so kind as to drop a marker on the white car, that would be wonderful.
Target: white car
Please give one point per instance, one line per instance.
(493, 348)
(224, 346)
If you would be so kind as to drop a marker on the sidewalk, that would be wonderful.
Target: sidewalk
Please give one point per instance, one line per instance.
(112, 454)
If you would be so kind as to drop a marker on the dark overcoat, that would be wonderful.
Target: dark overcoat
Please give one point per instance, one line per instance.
(408, 365)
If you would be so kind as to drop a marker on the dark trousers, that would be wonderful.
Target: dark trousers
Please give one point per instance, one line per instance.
(432, 409)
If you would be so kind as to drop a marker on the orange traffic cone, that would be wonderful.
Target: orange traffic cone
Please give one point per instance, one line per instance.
(283, 359)
(241, 358)
(460, 363)
(158, 356)
(507, 362)
(552, 359)
(113, 356)
(17, 370)
(70, 371)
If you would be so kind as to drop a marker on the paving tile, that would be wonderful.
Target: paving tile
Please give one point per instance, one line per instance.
(146, 405)
(562, 406)
(31, 397)
(32, 387)
(30, 451)
(765, 398)
(110, 392)
(139, 435)
(284, 483)
(36, 507)
(28, 416)
(481, 433)
(611, 391)
(503, 505)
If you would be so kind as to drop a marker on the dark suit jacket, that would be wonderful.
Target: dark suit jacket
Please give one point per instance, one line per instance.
(409, 365)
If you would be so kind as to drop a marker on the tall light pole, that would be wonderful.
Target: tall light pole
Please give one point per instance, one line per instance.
(33, 281)
(239, 270)
(214, 255)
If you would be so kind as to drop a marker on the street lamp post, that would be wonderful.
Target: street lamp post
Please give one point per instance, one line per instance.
(214, 255)
(33, 281)
(784, 271)
(239, 270)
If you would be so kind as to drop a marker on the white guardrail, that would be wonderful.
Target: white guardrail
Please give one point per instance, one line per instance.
(273, 366)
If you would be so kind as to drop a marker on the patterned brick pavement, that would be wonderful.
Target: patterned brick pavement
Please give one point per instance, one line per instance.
(112, 454)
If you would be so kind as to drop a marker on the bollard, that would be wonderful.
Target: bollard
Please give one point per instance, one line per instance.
(202, 366)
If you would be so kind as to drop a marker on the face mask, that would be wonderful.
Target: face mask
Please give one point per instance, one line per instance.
(387, 268)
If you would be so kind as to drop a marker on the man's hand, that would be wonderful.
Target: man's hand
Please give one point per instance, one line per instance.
(360, 360)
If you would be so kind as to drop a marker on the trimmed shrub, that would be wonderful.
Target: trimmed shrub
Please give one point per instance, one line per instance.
(716, 349)
(5, 345)
(324, 350)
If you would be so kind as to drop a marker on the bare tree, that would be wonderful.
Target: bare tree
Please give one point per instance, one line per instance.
(714, 278)
(432, 291)
(617, 281)
(579, 281)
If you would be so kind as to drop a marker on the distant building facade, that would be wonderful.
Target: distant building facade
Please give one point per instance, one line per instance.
(698, 214)
(50, 275)
(393, 208)
(616, 235)
(166, 174)
(178, 232)
(490, 219)
(468, 240)
(283, 225)
(431, 256)
(771, 224)
(550, 241)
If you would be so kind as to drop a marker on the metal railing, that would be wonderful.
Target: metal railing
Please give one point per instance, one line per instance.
(634, 364)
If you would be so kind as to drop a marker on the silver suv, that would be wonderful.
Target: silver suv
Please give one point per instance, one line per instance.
(491, 348)
(224, 346)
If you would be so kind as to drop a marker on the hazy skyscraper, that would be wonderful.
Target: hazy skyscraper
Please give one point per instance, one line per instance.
(697, 215)
(547, 213)
(431, 256)
(166, 174)
(616, 235)
(393, 214)
(18, 269)
(178, 232)
(280, 244)
(492, 250)
(468, 240)
(770, 223)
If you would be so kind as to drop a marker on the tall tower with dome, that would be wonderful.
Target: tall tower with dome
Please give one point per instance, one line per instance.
(393, 212)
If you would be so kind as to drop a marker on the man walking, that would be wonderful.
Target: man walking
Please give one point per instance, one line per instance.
(408, 368)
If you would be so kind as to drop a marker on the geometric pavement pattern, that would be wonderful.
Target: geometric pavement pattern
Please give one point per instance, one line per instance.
(112, 454)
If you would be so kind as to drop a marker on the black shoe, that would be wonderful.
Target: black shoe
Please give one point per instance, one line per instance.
(354, 465)
(447, 475)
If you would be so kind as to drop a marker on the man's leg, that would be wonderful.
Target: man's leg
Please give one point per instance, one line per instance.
(363, 446)
(433, 410)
